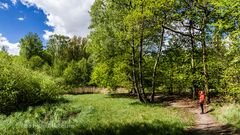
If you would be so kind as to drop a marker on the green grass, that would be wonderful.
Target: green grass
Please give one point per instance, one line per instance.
(97, 114)
(229, 114)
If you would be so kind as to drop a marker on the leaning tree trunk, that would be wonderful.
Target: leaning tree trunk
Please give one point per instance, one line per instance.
(156, 65)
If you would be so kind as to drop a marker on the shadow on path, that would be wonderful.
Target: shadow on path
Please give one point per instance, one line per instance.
(211, 130)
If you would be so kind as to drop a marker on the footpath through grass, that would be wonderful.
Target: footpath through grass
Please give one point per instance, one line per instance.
(97, 114)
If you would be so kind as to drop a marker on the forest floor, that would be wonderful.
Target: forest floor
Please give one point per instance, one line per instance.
(205, 124)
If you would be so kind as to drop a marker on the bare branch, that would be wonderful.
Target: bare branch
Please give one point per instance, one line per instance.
(178, 32)
(191, 26)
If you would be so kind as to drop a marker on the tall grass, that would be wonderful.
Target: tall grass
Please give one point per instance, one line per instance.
(97, 114)
(229, 114)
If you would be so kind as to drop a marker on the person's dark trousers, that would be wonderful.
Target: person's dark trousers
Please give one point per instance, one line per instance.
(201, 104)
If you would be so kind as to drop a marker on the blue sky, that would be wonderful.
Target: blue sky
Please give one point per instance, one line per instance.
(44, 17)
(18, 20)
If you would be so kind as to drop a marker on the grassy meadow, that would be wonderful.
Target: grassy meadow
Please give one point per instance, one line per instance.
(97, 114)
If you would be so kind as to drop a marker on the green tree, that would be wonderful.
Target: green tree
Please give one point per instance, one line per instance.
(57, 47)
(177, 43)
(30, 46)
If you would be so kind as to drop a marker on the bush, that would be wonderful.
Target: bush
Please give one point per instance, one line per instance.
(72, 74)
(21, 87)
(77, 73)
(101, 76)
(36, 62)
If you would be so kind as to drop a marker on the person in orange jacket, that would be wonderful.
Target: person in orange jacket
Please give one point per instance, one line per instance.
(201, 100)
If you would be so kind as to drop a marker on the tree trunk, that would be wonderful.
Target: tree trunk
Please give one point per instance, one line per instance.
(156, 65)
(140, 68)
(135, 81)
(141, 58)
(170, 91)
(133, 90)
(205, 70)
(204, 54)
(191, 32)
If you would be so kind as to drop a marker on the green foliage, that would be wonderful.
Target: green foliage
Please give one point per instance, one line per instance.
(126, 38)
(120, 74)
(30, 45)
(97, 114)
(58, 68)
(101, 75)
(229, 114)
(57, 47)
(67, 58)
(71, 74)
(76, 49)
(231, 76)
(197, 52)
(175, 68)
(46, 56)
(77, 73)
(21, 87)
(106, 75)
(36, 62)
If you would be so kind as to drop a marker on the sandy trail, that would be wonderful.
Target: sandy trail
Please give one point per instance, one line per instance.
(205, 124)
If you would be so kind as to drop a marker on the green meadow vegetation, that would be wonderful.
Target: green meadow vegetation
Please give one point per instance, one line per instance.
(148, 47)
(97, 114)
(229, 114)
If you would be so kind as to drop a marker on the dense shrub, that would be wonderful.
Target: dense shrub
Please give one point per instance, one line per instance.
(21, 87)
(72, 74)
(36, 62)
(77, 73)
(111, 75)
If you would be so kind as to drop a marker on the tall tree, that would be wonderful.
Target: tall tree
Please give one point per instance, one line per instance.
(30, 45)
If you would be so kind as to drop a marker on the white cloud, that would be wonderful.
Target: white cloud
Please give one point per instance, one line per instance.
(21, 19)
(13, 48)
(67, 17)
(47, 34)
(14, 2)
(3, 5)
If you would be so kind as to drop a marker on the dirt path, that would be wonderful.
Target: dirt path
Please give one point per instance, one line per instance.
(205, 124)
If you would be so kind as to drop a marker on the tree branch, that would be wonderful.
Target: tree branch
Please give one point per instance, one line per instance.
(187, 3)
(178, 32)
(123, 4)
(191, 26)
